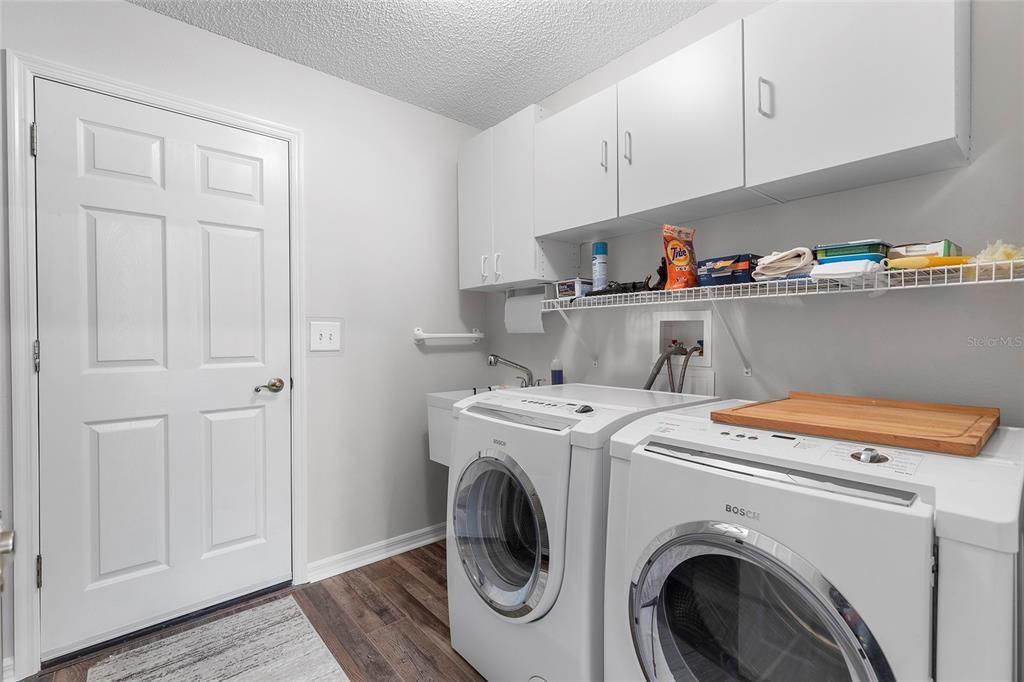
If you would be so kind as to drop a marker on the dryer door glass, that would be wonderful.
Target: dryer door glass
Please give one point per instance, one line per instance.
(501, 534)
(709, 606)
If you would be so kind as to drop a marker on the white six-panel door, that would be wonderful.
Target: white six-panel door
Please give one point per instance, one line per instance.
(163, 290)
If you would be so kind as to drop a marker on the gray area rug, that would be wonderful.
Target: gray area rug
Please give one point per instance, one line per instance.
(273, 641)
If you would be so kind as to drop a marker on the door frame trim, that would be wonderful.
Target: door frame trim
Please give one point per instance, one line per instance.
(20, 70)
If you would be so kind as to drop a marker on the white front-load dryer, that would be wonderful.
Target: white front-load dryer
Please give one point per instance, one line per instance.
(739, 553)
(527, 503)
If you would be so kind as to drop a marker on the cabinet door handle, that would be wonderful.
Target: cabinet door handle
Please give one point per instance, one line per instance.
(604, 155)
(764, 84)
(628, 144)
(483, 268)
(497, 267)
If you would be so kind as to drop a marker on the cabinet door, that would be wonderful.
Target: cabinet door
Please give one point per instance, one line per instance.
(514, 244)
(576, 175)
(475, 197)
(833, 83)
(681, 125)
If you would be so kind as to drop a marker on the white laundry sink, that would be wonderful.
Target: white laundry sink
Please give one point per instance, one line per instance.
(440, 421)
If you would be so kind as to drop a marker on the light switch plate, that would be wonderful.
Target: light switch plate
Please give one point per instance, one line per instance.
(325, 335)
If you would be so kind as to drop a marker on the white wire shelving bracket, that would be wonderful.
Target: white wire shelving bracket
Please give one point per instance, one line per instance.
(888, 280)
(420, 337)
(579, 337)
(747, 369)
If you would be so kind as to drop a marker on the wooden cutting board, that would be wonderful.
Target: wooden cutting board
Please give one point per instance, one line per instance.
(951, 429)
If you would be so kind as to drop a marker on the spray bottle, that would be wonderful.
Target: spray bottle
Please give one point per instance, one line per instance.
(599, 265)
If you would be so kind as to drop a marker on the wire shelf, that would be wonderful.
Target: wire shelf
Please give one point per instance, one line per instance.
(887, 280)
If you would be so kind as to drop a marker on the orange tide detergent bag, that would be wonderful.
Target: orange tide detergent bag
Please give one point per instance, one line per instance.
(679, 257)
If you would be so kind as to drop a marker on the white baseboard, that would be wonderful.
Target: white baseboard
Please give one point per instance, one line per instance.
(361, 556)
(8, 672)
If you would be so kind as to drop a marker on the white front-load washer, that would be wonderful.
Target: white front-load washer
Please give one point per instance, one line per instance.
(527, 502)
(736, 554)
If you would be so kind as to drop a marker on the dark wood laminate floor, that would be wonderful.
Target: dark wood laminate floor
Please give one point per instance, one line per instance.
(384, 621)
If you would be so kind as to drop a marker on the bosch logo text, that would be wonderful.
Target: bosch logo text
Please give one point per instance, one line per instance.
(745, 513)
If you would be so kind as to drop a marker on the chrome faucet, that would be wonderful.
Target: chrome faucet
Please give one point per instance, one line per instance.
(495, 360)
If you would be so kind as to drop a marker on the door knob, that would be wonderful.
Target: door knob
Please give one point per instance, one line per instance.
(275, 385)
(6, 547)
(6, 541)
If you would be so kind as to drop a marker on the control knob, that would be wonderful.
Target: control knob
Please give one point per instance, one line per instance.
(869, 456)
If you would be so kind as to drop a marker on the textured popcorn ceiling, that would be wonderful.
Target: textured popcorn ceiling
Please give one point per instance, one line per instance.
(476, 61)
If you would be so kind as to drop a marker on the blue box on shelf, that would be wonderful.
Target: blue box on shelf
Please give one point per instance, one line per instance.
(738, 269)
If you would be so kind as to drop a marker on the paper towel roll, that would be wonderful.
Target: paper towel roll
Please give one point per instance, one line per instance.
(522, 314)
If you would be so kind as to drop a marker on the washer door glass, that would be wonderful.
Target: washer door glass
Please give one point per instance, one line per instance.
(710, 607)
(501, 534)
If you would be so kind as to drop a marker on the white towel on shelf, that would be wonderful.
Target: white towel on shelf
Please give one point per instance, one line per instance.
(783, 263)
(845, 270)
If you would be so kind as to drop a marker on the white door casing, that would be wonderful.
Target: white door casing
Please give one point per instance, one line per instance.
(163, 300)
(7, 542)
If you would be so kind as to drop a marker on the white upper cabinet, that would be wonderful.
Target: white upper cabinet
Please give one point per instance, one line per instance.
(497, 247)
(845, 94)
(681, 133)
(514, 245)
(576, 176)
(800, 98)
(475, 206)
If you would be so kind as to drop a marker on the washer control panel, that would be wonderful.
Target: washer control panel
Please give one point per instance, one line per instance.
(736, 435)
(559, 406)
(868, 455)
(895, 461)
(848, 455)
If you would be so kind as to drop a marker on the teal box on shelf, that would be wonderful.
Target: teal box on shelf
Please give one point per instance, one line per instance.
(876, 249)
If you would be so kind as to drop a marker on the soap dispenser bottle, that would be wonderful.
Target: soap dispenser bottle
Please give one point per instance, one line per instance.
(557, 375)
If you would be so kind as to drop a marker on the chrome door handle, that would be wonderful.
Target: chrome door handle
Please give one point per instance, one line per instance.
(6, 547)
(483, 268)
(275, 385)
(6, 541)
(762, 82)
(604, 155)
(628, 144)
(497, 267)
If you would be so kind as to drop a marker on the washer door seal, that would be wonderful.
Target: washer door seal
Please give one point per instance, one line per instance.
(501, 534)
(713, 599)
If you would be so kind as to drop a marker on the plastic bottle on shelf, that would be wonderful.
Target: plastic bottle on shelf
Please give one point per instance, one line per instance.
(557, 375)
(599, 265)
